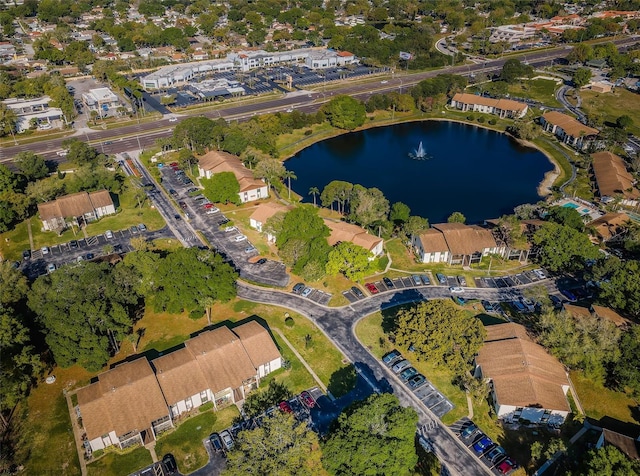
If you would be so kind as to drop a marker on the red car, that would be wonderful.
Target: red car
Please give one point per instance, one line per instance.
(307, 399)
(507, 466)
(371, 288)
(174, 164)
(208, 205)
(285, 407)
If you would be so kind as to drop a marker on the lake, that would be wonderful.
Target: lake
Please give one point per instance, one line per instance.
(481, 173)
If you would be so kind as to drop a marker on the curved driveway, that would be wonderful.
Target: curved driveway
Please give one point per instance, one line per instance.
(338, 325)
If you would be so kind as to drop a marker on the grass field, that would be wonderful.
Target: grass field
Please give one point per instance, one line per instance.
(116, 464)
(541, 90)
(185, 442)
(613, 105)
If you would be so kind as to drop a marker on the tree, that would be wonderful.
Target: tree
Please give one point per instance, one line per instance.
(196, 133)
(440, 332)
(32, 166)
(622, 289)
(188, 276)
(80, 152)
(223, 187)
(85, 311)
(563, 247)
(270, 170)
(624, 122)
(581, 77)
(609, 461)
(456, 217)
(625, 372)
(8, 120)
(565, 216)
(523, 129)
(345, 112)
(259, 401)
(368, 205)
(288, 174)
(349, 259)
(314, 191)
(399, 214)
(374, 437)
(542, 452)
(280, 446)
(513, 69)
(414, 225)
(580, 53)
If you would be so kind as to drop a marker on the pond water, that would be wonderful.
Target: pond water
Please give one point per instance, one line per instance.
(481, 173)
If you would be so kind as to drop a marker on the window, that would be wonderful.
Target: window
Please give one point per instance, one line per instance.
(204, 396)
(189, 403)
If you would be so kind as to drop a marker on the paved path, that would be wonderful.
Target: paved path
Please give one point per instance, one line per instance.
(301, 359)
(77, 433)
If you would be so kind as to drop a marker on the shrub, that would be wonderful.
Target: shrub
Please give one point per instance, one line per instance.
(481, 119)
(493, 122)
(470, 117)
(288, 321)
(308, 132)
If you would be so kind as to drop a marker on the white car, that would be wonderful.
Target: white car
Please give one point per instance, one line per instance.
(51, 268)
(45, 250)
(108, 234)
(456, 289)
(213, 210)
(230, 228)
(239, 238)
(384, 82)
(62, 153)
(173, 119)
(306, 291)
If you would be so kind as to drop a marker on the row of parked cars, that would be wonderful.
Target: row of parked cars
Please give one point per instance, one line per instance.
(403, 369)
(494, 454)
(225, 440)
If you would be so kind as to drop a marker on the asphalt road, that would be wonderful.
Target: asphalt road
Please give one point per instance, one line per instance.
(338, 325)
(144, 135)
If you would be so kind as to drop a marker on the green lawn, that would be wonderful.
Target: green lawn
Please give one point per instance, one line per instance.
(613, 105)
(541, 90)
(185, 441)
(117, 464)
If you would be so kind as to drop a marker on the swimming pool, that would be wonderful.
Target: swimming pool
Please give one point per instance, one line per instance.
(570, 205)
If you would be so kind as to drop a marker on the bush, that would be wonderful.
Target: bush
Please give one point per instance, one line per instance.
(471, 117)
(481, 119)
(308, 132)
(493, 122)
(288, 321)
(196, 314)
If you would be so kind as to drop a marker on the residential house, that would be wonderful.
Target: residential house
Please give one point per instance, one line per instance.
(627, 444)
(500, 107)
(569, 130)
(522, 251)
(217, 161)
(610, 227)
(611, 176)
(262, 213)
(78, 208)
(124, 407)
(467, 244)
(134, 401)
(600, 312)
(430, 246)
(346, 232)
(527, 383)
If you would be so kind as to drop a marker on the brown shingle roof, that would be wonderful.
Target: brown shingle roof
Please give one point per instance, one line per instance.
(503, 104)
(611, 175)
(522, 372)
(609, 314)
(74, 205)
(100, 199)
(217, 161)
(464, 239)
(341, 231)
(125, 398)
(626, 444)
(222, 358)
(432, 240)
(179, 375)
(568, 124)
(610, 224)
(577, 312)
(257, 342)
(264, 211)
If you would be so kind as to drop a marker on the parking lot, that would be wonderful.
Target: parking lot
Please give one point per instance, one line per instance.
(526, 277)
(312, 294)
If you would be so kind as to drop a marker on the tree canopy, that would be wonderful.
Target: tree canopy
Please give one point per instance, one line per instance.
(223, 187)
(514, 69)
(349, 259)
(280, 446)
(373, 437)
(563, 247)
(440, 332)
(345, 112)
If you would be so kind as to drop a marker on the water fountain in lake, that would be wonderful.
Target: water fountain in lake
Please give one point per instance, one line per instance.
(419, 153)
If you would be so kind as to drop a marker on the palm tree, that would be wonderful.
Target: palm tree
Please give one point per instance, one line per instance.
(289, 175)
(314, 191)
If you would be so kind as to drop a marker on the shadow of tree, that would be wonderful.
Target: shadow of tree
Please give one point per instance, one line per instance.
(342, 381)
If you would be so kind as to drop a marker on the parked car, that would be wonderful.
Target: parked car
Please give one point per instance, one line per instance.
(416, 381)
(229, 229)
(212, 210)
(183, 205)
(462, 280)
(487, 306)
(261, 261)
(306, 291)
(45, 250)
(442, 279)
(250, 249)
(216, 442)
(507, 465)
(416, 280)
(540, 273)
(456, 289)
(173, 192)
(142, 227)
(483, 444)
(356, 290)
(407, 373)
(26, 254)
(285, 407)
(51, 267)
(108, 234)
(371, 288)
(307, 399)
(298, 288)
(238, 238)
(469, 431)
(89, 256)
(227, 439)
(569, 295)
(388, 282)
(391, 356)
(210, 206)
(174, 164)
(425, 279)
(73, 244)
(169, 463)
(556, 301)
(400, 366)
(496, 453)
(134, 230)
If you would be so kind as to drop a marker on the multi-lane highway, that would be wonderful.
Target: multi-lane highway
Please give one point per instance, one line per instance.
(144, 135)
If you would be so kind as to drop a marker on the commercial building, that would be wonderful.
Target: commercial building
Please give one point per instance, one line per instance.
(37, 109)
(100, 99)
(512, 33)
(217, 161)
